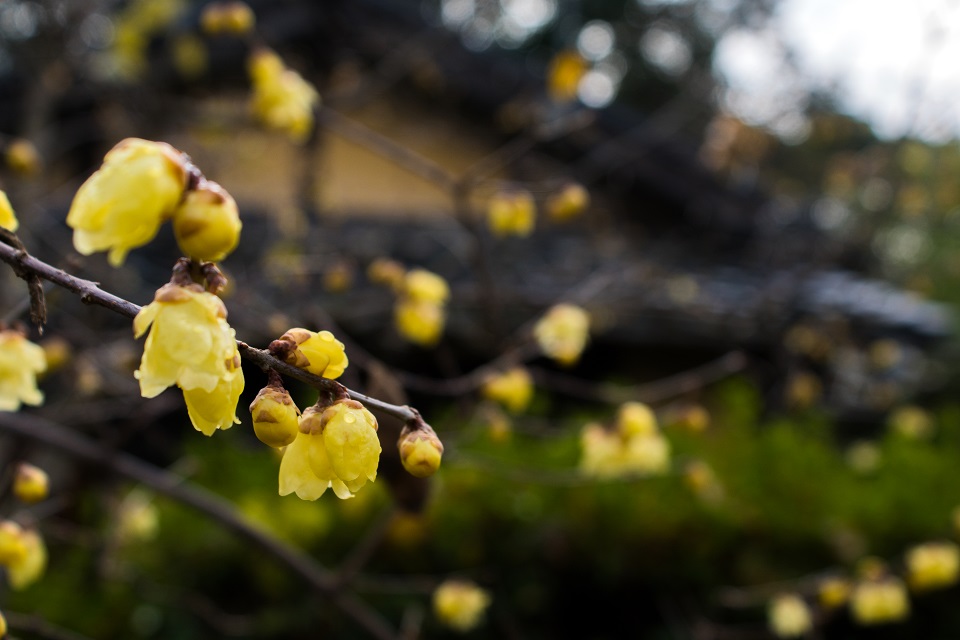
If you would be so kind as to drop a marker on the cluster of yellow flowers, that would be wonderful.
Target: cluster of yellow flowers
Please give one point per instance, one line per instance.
(139, 186)
(191, 346)
(460, 604)
(513, 389)
(562, 333)
(20, 362)
(420, 310)
(634, 446)
(282, 99)
(513, 212)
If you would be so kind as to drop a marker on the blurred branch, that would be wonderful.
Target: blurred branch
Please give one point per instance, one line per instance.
(39, 627)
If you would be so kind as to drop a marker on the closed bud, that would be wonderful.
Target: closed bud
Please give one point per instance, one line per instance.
(275, 417)
(569, 202)
(320, 353)
(30, 484)
(420, 450)
(8, 220)
(22, 157)
(207, 223)
(419, 322)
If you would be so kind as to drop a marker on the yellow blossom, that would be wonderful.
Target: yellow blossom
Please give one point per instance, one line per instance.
(911, 422)
(275, 416)
(336, 447)
(419, 322)
(636, 418)
(192, 346)
(511, 213)
(207, 223)
(789, 616)
(3, 626)
(8, 219)
(562, 333)
(20, 362)
(22, 157)
(137, 518)
(233, 18)
(282, 99)
(420, 451)
(385, 271)
(513, 389)
(569, 202)
(30, 483)
(460, 604)
(421, 285)
(564, 74)
(121, 206)
(319, 353)
(933, 565)
(879, 601)
(646, 454)
(601, 451)
(24, 572)
(13, 549)
(834, 592)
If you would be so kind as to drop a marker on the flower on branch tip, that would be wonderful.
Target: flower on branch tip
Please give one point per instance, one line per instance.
(513, 389)
(460, 604)
(320, 353)
(934, 565)
(192, 346)
(207, 223)
(562, 333)
(420, 450)
(276, 418)
(122, 205)
(227, 18)
(511, 213)
(879, 601)
(282, 99)
(335, 447)
(8, 219)
(20, 362)
(569, 202)
(789, 616)
(30, 483)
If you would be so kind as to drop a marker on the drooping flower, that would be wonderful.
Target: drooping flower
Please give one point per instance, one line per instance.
(336, 447)
(207, 223)
(122, 205)
(282, 99)
(460, 604)
(789, 616)
(192, 346)
(562, 333)
(320, 353)
(20, 362)
(513, 389)
(8, 219)
(275, 416)
(420, 451)
(511, 213)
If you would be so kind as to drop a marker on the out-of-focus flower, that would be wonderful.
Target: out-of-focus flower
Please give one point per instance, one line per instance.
(803, 390)
(693, 418)
(879, 601)
(275, 416)
(562, 333)
(646, 454)
(864, 456)
(24, 571)
(421, 285)
(58, 353)
(513, 389)
(600, 451)
(20, 362)
(12, 547)
(564, 74)
(911, 422)
(192, 346)
(511, 213)
(789, 616)
(30, 483)
(834, 592)
(137, 516)
(419, 322)
(460, 604)
(121, 206)
(227, 18)
(207, 223)
(385, 271)
(636, 418)
(420, 451)
(336, 447)
(320, 353)
(189, 55)
(933, 565)
(8, 219)
(338, 277)
(702, 481)
(22, 157)
(282, 99)
(569, 202)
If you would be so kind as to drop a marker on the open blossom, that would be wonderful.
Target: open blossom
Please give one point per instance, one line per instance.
(336, 447)
(562, 333)
(282, 99)
(20, 362)
(122, 205)
(8, 220)
(192, 346)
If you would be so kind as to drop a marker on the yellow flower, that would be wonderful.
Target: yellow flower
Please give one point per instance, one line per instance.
(3, 626)
(192, 346)
(319, 353)
(421, 285)
(562, 333)
(834, 592)
(636, 418)
(911, 422)
(207, 223)
(27, 570)
(601, 452)
(646, 454)
(511, 213)
(121, 206)
(13, 549)
(282, 99)
(138, 518)
(419, 322)
(336, 447)
(20, 362)
(275, 416)
(460, 604)
(933, 565)
(30, 483)
(568, 203)
(879, 601)
(22, 157)
(789, 616)
(564, 74)
(8, 219)
(420, 451)
(513, 389)
(233, 18)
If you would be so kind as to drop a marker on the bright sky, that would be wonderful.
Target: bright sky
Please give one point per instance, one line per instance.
(894, 63)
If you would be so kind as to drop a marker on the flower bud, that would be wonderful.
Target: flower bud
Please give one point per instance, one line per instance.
(460, 604)
(30, 568)
(319, 353)
(420, 451)
(511, 213)
(8, 220)
(275, 417)
(513, 389)
(22, 157)
(30, 484)
(207, 223)
(789, 616)
(562, 333)
(568, 203)
(231, 18)
(636, 418)
(12, 547)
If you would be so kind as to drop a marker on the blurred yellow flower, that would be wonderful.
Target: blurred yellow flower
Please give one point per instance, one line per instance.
(421, 285)
(207, 223)
(121, 206)
(192, 346)
(789, 616)
(13, 549)
(282, 99)
(460, 604)
(8, 219)
(25, 571)
(636, 418)
(879, 601)
(419, 322)
(320, 353)
(511, 213)
(933, 565)
(275, 416)
(834, 592)
(513, 389)
(911, 422)
(22, 156)
(30, 483)
(601, 451)
(564, 74)
(562, 333)
(569, 202)
(20, 362)
(646, 454)
(233, 18)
